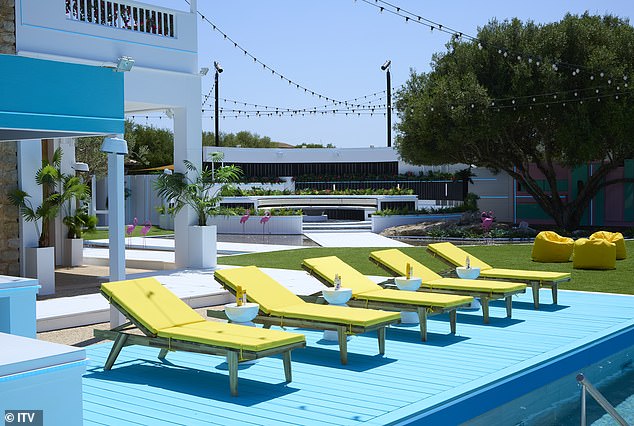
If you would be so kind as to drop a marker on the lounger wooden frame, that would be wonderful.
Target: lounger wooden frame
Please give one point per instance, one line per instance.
(343, 330)
(535, 285)
(124, 335)
(422, 311)
(484, 296)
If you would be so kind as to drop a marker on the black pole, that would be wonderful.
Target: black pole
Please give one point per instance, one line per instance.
(389, 109)
(216, 118)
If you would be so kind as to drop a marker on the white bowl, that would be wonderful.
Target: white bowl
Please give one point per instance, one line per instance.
(468, 274)
(337, 297)
(244, 313)
(407, 284)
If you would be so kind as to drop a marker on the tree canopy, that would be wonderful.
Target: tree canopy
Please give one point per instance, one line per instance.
(524, 94)
(244, 139)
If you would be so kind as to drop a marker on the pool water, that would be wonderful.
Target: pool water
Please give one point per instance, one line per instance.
(559, 403)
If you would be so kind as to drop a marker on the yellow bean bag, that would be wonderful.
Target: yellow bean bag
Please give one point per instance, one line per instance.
(594, 254)
(613, 237)
(551, 247)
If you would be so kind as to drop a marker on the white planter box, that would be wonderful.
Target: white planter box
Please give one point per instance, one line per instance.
(40, 264)
(379, 223)
(202, 246)
(166, 221)
(276, 225)
(74, 252)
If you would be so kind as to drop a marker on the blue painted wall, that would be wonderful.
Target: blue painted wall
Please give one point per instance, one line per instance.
(37, 94)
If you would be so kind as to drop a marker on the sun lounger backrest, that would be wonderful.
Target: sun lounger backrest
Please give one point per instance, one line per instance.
(150, 304)
(260, 287)
(397, 261)
(327, 267)
(456, 255)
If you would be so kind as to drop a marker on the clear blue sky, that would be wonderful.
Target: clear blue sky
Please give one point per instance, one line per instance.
(336, 48)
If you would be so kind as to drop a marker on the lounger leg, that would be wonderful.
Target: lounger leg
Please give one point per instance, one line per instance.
(163, 353)
(535, 286)
(287, 366)
(232, 363)
(554, 290)
(509, 306)
(119, 343)
(485, 309)
(453, 316)
(422, 320)
(381, 336)
(343, 344)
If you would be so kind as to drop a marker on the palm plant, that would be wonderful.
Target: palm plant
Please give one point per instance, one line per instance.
(202, 192)
(57, 190)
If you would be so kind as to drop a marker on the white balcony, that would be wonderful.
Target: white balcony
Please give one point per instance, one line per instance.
(102, 31)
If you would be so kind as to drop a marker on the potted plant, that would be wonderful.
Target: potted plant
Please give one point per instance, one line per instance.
(77, 223)
(57, 189)
(200, 190)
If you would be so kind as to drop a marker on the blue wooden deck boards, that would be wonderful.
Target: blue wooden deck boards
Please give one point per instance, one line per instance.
(441, 378)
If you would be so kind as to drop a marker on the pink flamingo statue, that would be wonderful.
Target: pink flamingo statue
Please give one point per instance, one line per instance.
(244, 218)
(146, 228)
(130, 229)
(265, 219)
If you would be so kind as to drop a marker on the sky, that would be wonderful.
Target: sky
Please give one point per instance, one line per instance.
(336, 48)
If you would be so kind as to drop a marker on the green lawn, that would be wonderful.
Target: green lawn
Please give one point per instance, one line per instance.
(103, 233)
(513, 256)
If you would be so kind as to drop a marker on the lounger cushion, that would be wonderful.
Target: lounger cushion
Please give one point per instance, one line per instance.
(482, 286)
(397, 261)
(260, 288)
(415, 298)
(327, 267)
(341, 314)
(150, 304)
(549, 247)
(594, 254)
(524, 275)
(613, 237)
(231, 336)
(456, 255)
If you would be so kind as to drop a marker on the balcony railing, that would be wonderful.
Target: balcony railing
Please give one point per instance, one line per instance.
(124, 15)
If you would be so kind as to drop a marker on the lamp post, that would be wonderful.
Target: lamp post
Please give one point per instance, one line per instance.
(386, 67)
(219, 69)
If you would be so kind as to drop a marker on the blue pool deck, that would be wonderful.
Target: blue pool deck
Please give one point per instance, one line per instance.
(447, 380)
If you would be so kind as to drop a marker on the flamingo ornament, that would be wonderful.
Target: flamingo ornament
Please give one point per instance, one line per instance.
(130, 229)
(144, 231)
(244, 218)
(265, 219)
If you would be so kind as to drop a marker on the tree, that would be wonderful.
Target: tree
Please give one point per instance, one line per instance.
(522, 94)
(244, 139)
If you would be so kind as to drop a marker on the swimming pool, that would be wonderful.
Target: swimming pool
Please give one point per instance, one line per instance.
(558, 403)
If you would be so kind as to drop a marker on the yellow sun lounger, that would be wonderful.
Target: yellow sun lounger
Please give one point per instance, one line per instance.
(367, 294)
(536, 279)
(170, 325)
(395, 262)
(280, 306)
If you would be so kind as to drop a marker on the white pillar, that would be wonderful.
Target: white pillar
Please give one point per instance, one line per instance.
(29, 161)
(187, 146)
(116, 148)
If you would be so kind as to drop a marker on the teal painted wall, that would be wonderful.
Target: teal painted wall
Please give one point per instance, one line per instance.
(579, 174)
(57, 96)
(531, 211)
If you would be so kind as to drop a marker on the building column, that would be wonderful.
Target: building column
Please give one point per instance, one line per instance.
(187, 146)
(29, 161)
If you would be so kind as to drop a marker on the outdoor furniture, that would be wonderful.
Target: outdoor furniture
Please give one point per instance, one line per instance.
(367, 294)
(536, 279)
(279, 306)
(395, 262)
(550, 247)
(169, 324)
(594, 254)
(613, 237)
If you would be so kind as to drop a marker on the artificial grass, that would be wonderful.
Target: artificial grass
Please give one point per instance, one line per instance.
(512, 256)
(102, 234)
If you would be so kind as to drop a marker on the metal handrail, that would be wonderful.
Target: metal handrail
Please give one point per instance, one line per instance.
(594, 392)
